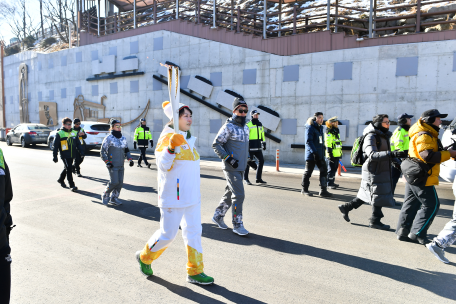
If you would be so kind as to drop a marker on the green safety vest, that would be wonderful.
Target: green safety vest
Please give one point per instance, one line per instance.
(400, 140)
(256, 132)
(141, 134)
(2, 160)
(333, 142)
(68, 136)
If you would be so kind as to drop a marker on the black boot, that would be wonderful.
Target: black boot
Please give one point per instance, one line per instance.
(378, 225)
(418, 239)
(345, 209)
(148, 165)
(305, 191)
(333, 186)
(324, 193)
(62, 183)
(402, 234)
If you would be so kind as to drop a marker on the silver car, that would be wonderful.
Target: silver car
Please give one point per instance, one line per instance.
(28, 133)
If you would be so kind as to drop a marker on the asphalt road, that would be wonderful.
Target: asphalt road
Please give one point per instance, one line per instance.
(68, 248)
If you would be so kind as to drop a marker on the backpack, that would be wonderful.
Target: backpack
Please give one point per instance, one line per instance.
(356, 155)
(415, 170)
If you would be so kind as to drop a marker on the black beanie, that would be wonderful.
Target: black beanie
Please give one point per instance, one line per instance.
(76, 120)
(239, 102)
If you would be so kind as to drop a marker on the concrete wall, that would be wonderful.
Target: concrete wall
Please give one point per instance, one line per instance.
(373, 87)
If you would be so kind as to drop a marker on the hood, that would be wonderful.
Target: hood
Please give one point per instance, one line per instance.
(370, 128)
(310, 121)
(419, 126)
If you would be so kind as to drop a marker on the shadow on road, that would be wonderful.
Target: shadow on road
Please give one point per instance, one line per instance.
(433, 281)
(189, 294)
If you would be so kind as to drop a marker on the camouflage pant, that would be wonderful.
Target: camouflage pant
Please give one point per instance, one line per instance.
(234, 195)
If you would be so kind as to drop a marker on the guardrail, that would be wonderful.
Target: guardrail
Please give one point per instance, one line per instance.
(299, 20)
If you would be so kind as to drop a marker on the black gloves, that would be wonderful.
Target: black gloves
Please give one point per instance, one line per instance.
(252, 164)
(109, 165)
(55, 160)
(134, 145)
(151, 143)
(233, 162)
(264, 145)
(131, 163)
(399, 154)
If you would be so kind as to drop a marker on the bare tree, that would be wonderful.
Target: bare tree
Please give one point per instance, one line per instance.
(20, 21)
(41, 18)
(62, 12)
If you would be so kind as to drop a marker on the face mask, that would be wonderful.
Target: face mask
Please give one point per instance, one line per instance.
(239, 119)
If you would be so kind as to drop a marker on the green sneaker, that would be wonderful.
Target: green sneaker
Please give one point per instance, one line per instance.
(145, 269)
(201, 279)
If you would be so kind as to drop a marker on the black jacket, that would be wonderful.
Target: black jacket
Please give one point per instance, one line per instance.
(74, 145)
(6, 195)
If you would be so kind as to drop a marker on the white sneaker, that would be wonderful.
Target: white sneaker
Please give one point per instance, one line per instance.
(115, 201)
(240, 230)
(438, 252)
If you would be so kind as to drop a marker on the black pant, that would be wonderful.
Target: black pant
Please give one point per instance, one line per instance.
(333, 165)
(5, 275)
(77, 163)
(310, 166)
(67, 171)
(395, 175)
(142, 155)
(259, 155)
(420, 207)
(377, 213)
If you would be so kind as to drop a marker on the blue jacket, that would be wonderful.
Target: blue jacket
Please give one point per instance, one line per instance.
(315, 141)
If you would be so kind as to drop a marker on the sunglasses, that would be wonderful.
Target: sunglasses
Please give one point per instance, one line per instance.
(386, 122)
(243, 111)
(68, 124)
(117, 126)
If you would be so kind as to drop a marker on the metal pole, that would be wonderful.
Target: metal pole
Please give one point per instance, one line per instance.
(232, 13)
(69, 35)
(371, 10)
(265, 17)
(295, 13)
(177, 9)
(134, 13)
(374, 23)
(280, 17)
(238, 20)
(98, 25)
(214, 16)
(418, 16)
(77, 23)
(336, 19)
(328, 13)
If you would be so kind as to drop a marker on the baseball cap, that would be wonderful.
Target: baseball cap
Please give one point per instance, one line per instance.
(432, 113)
(403, 116)
(254, 112)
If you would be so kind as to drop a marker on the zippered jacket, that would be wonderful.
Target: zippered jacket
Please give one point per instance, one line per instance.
(142, 136)
(67, 143)
(256, 135)
(315, 148)
(115, 150)
(232, 140)
(6, 195)
(178, 173)
(426, 148)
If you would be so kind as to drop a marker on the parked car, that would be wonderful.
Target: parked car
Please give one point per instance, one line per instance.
(96, 132)
(448, 168)
(28, 133)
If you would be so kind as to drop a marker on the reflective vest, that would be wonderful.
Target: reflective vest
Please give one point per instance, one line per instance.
(400, 140)
(256, 136)
(67, 140)
(142, 136)
(2, 160)
(333, 141)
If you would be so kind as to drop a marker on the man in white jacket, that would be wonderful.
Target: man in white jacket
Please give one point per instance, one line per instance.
(179, 197)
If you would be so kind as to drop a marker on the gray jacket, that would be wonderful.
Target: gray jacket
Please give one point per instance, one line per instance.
(376, 185)
(114, 150)
(232, 139)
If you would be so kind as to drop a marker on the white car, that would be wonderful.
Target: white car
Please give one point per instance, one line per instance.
(448, 168)
(96, 132)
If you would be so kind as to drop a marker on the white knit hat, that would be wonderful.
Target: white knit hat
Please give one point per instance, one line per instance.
(168, 109)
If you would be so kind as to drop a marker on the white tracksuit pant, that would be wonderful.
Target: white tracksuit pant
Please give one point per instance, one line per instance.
(190, 221)
(447, 236)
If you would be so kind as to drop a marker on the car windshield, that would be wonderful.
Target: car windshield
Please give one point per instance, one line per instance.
(100, 127)
(43, 128)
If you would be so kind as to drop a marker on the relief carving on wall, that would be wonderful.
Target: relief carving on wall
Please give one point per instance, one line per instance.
(48, 113)
(23, 91)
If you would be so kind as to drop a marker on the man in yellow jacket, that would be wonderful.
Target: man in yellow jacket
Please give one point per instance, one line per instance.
(421, 201)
